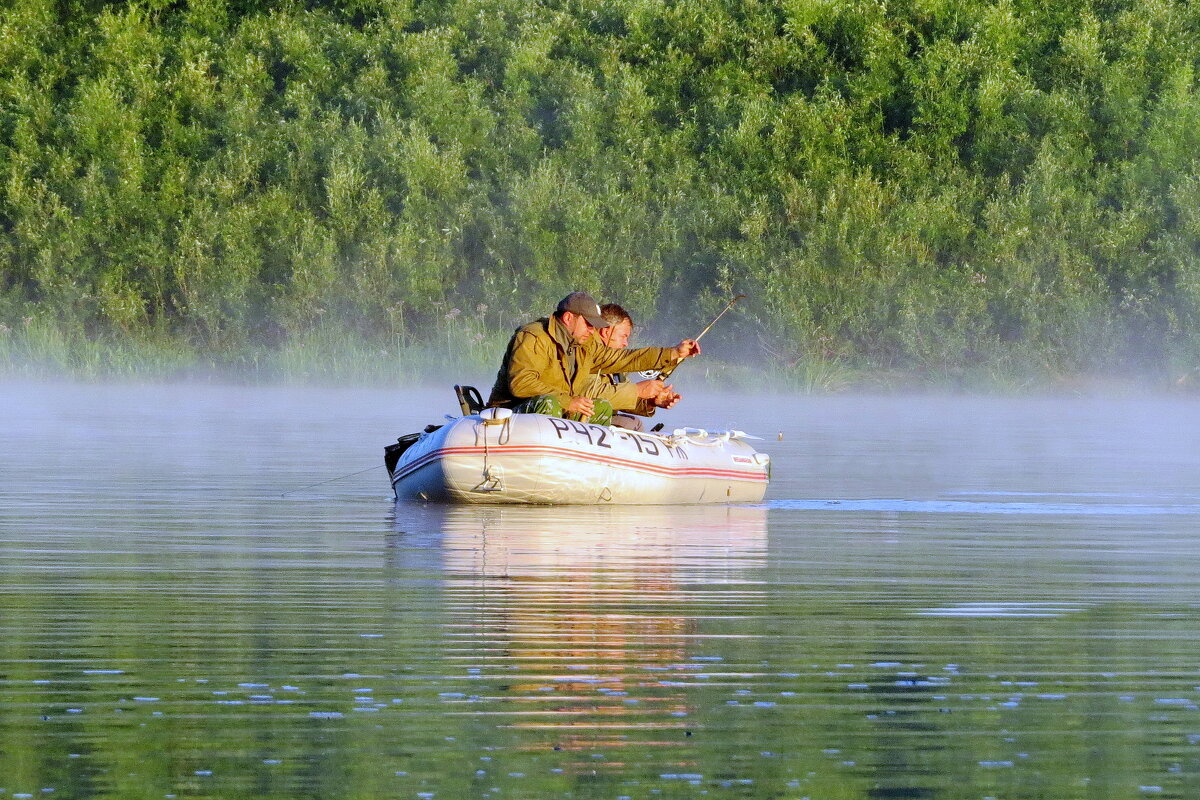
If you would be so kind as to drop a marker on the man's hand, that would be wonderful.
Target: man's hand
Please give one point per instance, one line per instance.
(667, 397)
(580, 405)
(648, 390)
(687, 348)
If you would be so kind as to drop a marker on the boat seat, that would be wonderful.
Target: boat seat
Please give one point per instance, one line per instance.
(469, 399)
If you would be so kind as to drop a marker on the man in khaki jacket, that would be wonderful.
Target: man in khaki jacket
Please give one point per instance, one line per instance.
(549, 364)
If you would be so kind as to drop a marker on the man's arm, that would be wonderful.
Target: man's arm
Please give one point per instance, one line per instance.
(642, 398)
(608, 360)
(623, 396)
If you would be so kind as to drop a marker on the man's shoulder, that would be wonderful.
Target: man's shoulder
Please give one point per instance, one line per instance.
(539, 327)
(528, 334)
(595, 344)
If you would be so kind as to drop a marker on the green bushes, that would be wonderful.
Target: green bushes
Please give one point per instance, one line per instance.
(955, 190)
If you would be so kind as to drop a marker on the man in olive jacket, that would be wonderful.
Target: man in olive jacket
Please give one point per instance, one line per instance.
(549, 364)
(625, 396)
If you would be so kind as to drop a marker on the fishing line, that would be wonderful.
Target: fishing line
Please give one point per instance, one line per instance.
(331, 480)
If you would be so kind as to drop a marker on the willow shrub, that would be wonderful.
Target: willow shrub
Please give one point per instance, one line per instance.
(950, 189)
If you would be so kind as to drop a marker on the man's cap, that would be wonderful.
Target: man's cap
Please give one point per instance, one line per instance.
(581, 303)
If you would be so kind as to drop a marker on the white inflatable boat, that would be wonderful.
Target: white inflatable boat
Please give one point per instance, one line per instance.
(496, 456)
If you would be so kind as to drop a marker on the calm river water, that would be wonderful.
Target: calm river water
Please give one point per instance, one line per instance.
(940, 598)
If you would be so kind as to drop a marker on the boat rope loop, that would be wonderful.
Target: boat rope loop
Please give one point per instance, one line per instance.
(492, 474)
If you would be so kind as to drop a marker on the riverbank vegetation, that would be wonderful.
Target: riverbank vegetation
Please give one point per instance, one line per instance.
(978, 192)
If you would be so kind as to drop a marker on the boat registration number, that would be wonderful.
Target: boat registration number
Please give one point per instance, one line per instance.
(599, 436)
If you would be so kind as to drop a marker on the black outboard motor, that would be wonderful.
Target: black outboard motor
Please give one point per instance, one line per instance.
(469, 400)
(392, 452)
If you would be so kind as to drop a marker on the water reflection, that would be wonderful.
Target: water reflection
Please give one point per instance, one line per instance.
(590, 622)
(1019, 621)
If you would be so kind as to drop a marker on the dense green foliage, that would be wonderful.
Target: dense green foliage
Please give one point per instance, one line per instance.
(919, 185)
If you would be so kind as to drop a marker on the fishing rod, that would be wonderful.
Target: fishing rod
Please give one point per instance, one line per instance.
(665, 372)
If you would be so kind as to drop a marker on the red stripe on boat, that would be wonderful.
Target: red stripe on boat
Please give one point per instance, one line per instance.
(670, 472)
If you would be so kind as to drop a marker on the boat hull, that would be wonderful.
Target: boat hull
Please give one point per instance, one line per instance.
(532, 458)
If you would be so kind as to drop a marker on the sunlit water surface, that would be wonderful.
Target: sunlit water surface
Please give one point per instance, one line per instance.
(940, 598)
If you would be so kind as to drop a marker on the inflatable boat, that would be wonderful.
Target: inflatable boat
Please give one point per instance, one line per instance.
(496, 456)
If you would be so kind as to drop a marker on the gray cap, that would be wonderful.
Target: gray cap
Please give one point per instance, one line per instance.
(581, 303)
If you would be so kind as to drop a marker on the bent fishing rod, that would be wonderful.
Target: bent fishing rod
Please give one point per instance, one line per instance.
(664, 373)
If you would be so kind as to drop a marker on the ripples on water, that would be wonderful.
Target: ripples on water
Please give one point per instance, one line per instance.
(940, 598)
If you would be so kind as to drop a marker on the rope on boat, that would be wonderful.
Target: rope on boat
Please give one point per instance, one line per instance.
(492, 477)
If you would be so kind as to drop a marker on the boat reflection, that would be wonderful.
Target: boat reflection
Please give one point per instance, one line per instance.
(591, 622)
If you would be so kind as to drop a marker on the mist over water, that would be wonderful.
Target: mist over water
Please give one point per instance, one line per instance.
(939, 597)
